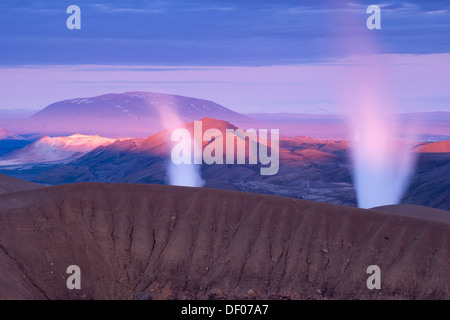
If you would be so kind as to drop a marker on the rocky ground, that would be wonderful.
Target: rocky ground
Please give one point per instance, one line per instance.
(161, 242)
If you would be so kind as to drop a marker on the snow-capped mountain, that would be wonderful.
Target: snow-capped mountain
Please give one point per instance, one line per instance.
(129, 114)
(55, 149)
(135, 106)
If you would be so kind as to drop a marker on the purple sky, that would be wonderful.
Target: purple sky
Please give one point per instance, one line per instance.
(250, 56)
(416, 82)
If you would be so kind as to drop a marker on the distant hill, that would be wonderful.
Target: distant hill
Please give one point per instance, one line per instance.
(129, 114)
(434, 147)
(430, 184)
(5, 134)
(55, 149)
(135, 106)
(309, 168)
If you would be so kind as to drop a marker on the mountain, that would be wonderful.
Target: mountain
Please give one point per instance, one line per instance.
(135, 105)
(309, 168)
(5, 134)
(55, 149)
(133, 160)
(160, 143)
(10, 184)
(10, 141)
(130, 114)
(163, 242)
(430, 185)
(434, 147)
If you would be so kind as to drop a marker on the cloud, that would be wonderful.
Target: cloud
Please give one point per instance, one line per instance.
(436, 12)
(206, 8)
(197, 32)
(114, 9)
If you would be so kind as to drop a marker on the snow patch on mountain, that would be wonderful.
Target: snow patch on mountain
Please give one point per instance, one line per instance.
(55, 149)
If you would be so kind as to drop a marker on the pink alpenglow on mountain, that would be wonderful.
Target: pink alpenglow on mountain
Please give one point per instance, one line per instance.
(5, 134)
(434, 147)
(134, 106)
(135, 114)
(55, 149)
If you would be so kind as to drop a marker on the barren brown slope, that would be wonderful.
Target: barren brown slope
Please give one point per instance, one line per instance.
(152, 241)
(10, 184)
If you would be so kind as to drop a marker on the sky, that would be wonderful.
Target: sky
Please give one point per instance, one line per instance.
(250, 56)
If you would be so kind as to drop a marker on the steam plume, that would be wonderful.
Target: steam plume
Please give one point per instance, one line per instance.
(382, 161)
(187, 175)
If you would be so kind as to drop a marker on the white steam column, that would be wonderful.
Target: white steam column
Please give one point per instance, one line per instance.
(187, 175)
(381, 155)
